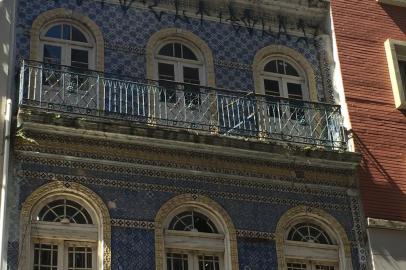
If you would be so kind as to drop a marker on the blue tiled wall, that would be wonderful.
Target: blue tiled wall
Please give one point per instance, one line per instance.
(136, 26)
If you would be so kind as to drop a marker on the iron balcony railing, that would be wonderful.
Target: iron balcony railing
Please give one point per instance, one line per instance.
(187, 106)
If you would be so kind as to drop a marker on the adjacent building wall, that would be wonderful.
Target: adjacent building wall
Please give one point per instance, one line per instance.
(361, 29)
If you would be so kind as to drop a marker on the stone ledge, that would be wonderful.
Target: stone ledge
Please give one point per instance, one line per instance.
(386, 224)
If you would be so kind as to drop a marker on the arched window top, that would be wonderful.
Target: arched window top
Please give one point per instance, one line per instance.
(310, 233)
(178, 50)
(64, 211)
(192, 221)
(66, 31)
(281, 66)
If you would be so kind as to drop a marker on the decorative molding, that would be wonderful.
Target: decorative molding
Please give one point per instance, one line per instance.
(233, 65)
(135, 224)
(176, 190)
(199, 201)
(386, 224)
(256, 235)
(400, 3)
(125, 48)
(67, 188)
(319, 216)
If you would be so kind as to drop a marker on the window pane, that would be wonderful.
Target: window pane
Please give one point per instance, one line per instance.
(188, 53)
(45, 256)
(191, 75)
(290, 70)
(52, 54)
(177, 261)
(66, 32)
(80, 58)
(297, 266)
(281, 66)
(55, 31)
(77, 35)
(208, 263)
(402, 69)
(271, 67)
(192, 221)
(271, 88)
(178, 50)
(79, 258)
(167, 50)
(166, 72)
(324, 267)
(56, 211)
(295, 90)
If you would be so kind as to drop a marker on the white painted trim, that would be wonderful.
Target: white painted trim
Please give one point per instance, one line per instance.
(386, 224)
(400, 3)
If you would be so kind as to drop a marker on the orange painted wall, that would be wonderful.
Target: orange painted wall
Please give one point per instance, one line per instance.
(361, 27)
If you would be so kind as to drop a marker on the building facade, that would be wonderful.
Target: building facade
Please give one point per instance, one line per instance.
(181, 135)
(372, 56)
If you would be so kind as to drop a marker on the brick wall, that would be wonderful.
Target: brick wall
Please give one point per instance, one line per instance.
(380, 129)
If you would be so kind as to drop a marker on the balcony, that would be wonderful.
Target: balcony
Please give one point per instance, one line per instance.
(220, 112)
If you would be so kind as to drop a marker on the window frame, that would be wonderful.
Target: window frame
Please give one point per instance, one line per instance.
(193, 243)
(64, 235)
(67, 45)
(284, 79)
(395, 52)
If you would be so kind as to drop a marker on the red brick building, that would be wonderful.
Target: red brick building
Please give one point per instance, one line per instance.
(371, 45)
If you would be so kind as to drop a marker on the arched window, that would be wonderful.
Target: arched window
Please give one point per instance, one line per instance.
(64, 234)
(177, 62)
(283, 78)
(310, 247)
(193, 242)
(67, 43)
(194, 234)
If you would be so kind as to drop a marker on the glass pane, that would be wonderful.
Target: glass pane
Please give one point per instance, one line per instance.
(80, 58)
(62, 210)
(297, 266)
(178, 50)
(167, 50)
(281, 66)
(324, 267)
(79, 258)
(191, 75)
(77, 35)
(188, 53)
(177, 261)
(290, 70)
(271, 67)
(192, 221)
(208, 263)
(66, 32)
(306, 232)
(52, 54)
(295, 91)
(45, 256)
(55, 31)
(166, 72)
(271, 88)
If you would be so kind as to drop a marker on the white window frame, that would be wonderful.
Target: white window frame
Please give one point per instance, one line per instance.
(283, 79)
(395, 52)
(195, 244)
(67, 45)
(179, 63)
(312, 253)
(65, 235)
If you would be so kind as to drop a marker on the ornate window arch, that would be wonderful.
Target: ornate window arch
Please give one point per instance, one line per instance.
(45, 21)
(174, 35)
(296, 70)
(193, 230)
(311, 239)
(65, 224)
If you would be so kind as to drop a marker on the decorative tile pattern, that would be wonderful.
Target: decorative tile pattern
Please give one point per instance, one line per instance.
(255, 235)
(136, 224)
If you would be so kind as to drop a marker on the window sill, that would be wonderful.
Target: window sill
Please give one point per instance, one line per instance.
(400, 3)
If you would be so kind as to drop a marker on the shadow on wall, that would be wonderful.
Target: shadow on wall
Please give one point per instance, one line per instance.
(397, 15)
(378, 188)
